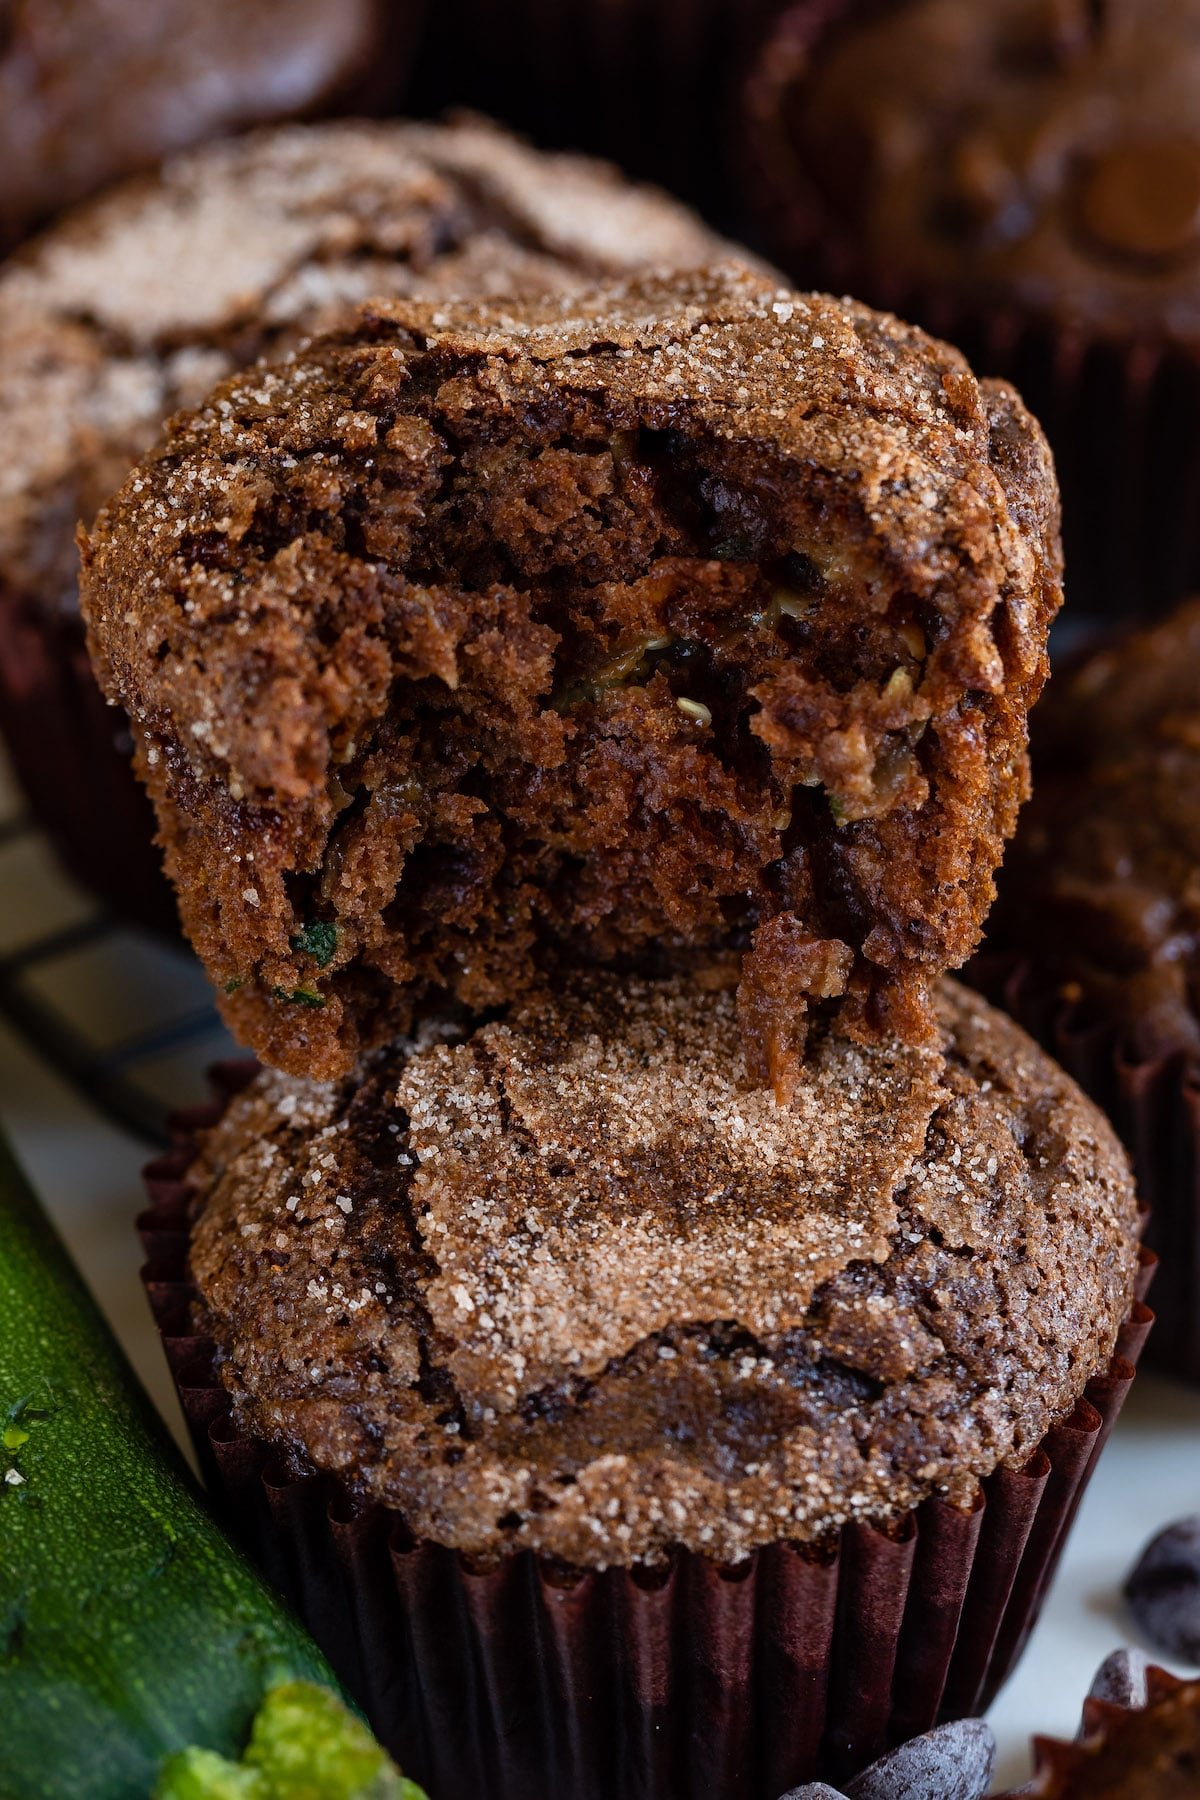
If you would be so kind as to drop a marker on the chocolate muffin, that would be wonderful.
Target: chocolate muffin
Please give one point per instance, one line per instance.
(568, 1284)
(93, 89)
(512, 1245)
(1025, 176)
(1149, 1751)
(1100, 907)
(139, 302)
(470, 639)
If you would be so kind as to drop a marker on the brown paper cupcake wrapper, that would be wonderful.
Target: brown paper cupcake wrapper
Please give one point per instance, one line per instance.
(1155, 1109)
(73, 757)
(1123, 417)
(527, 1681)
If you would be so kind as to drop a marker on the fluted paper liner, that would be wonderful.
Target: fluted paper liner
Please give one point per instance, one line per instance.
(519, 1679)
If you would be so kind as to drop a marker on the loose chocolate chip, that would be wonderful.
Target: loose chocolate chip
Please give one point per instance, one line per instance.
(1164, 1590)
(954, 1762)
(1121, 1680)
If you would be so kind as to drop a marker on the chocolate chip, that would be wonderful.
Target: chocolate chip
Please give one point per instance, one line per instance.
(1142, 199)
(1164, 1590)
(954, 1762)
(1121, 1680)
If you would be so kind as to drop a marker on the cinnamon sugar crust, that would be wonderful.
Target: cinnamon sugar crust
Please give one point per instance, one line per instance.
(138, 303)
(570, 1283)
(693, 613)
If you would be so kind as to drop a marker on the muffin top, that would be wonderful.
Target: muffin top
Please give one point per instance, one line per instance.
(689, 611)
(1148, 1752)
(1041, 151)
(93, 89)
(139, 302)
(569, 1283)
(1101, 887)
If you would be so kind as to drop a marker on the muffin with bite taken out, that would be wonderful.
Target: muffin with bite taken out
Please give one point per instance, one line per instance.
(471, 642)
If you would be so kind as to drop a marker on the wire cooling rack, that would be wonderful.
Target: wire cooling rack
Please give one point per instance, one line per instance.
(125, 1018)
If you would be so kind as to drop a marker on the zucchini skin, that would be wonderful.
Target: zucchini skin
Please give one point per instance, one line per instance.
(129, 1626)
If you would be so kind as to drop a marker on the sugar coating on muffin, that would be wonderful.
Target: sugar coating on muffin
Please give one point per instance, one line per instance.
(1047, 151)
(1101, 889)
(93, 89)
(137, 304)
(569, 1282)
(468, 639)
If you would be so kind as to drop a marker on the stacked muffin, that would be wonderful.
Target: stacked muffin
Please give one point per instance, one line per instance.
(674, 1322)
(568, 631)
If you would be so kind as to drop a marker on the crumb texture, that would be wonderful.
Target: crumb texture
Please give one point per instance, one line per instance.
(570, 1283)
(1101, 890)
(698, 613)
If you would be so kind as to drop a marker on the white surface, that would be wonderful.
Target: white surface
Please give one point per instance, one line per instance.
(87, 1174)
(1149, 1474)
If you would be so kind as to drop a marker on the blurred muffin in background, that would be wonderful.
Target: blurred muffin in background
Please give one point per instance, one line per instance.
(93, 89)
(138, 302)
(1024, 177)
(1098, 925)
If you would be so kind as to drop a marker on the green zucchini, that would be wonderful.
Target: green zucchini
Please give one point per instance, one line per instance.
(140, 1654)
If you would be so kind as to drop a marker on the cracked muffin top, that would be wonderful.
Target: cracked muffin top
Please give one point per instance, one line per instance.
(1101, 888)
(570, 1283)
(139, 302)
(91, 90)
(691, 612)
(1045, 152)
